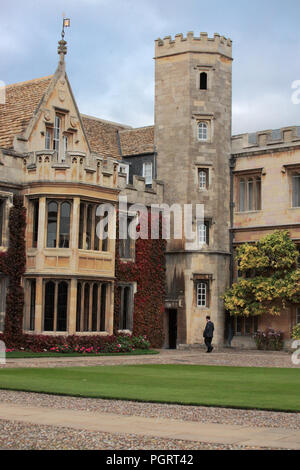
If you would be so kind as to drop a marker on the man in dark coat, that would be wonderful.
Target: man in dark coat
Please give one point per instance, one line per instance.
(208, 334)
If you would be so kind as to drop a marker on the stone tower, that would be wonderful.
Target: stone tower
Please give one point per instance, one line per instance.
(193, 95)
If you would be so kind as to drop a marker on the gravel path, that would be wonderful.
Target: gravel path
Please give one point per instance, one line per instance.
(18, 436)
(221, 357)
(202, 414)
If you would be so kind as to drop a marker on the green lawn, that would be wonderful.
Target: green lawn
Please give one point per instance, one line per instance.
(28, 354)
(239, 387)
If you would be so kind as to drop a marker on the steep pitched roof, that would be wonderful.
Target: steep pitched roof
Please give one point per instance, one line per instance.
(103, 135)
(21, 102)
(137, 141)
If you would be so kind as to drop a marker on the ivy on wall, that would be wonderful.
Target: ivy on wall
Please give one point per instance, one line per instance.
(148, 271)
(13, 264)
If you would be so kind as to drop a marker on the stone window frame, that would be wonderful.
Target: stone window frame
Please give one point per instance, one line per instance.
(7, 201)
(92, 313)
(207, 119)
(198, 280)
(204, 232)
(132, 242)
(50, 136)
(96, 244)
(254, 176)
(59, 201)
(131, 287)
(208, 69)
(241, 325)
(56, 283)
(205, 170)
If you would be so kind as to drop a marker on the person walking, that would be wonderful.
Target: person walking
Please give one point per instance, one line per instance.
(208, 334)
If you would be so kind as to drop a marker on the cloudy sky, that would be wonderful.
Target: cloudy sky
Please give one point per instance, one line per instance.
(111, 48)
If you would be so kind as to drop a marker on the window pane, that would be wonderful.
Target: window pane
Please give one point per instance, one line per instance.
(48, 140)
(103, 308)
(105, 230)
(258, 194)
(56, 134)
(296, 191)
(65, 147)
(89, 227)
(147, 172)
(49, 306)
(202, 131)
(203, 81)
(202, 179)
(78, 307)
(202, 233)
(32, 304)
(81, 225)
(250, 194)
(62, 306)
(97, 226)
(35, 227)
(95, 308)
(86, 307)
(242, 195)
(201, 294)
(64, 227)
(52, 224)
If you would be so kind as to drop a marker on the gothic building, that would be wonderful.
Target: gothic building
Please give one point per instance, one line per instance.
(65, 164)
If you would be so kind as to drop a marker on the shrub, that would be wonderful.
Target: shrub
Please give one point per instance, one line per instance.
(296, 332)
(79, 344)
(269, 340)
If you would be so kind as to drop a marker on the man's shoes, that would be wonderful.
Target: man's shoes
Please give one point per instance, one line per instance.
(211, 349)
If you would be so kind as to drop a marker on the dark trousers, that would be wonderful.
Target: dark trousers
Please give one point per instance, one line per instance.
(208, 343)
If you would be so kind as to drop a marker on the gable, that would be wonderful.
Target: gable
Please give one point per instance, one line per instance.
(21, 102)
(59, 102)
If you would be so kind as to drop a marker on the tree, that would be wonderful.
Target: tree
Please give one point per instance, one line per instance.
(270, 277)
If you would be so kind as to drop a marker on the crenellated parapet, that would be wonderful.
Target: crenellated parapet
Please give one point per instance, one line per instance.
(139, 192)
(266, 139)
(190, 43)
(76, 167)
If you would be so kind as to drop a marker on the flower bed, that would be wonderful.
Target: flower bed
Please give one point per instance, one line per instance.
(77, 344)
(269, 340)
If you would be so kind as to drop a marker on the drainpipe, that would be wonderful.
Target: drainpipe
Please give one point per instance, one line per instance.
(232, 163)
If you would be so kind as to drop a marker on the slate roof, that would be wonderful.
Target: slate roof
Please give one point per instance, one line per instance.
(102, 135)
(137, 141)
(21, 102)
(109, 139)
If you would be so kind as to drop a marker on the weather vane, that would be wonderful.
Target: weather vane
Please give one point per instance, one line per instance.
(66, 24)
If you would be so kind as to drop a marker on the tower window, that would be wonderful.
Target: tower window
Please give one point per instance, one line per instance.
(202, 131)
(203, 81)
(202, 178)
(202, 300)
